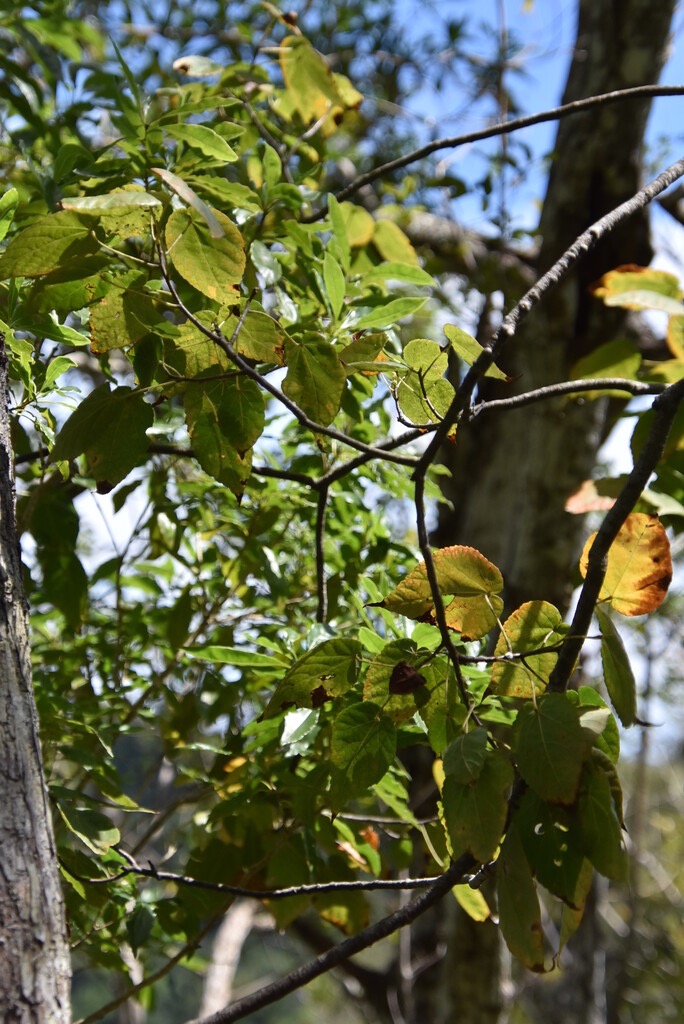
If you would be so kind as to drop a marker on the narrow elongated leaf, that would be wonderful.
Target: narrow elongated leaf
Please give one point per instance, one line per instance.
(391, 312)
(599, 824)
(334, 283)
(214, 266)
(617, 671)
(609, 739)
(189, 196)
(519, 910)
(8, 206)
(205, 140)
(315, 378)
(237, 656)
(549, 745)
(639, 569)
(392, 271)
(475, 812)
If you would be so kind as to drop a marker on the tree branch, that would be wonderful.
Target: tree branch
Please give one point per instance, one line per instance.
(568, 387)
(504, 128)
(342, 951)
(665, 409)
(579, 248)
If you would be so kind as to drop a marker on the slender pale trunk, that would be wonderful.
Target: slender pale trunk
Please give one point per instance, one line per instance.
(34, 954)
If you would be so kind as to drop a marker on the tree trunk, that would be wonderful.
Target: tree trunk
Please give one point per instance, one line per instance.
(512, 472)
(34, 955)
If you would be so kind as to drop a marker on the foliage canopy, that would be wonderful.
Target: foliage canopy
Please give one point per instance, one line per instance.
(198, 327)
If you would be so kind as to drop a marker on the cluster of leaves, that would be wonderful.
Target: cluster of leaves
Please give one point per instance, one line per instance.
(265, 631)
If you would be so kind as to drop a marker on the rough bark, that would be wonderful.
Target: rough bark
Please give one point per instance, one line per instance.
(34, 955)
(512, 473)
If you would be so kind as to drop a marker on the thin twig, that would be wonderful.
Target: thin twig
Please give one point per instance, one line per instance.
(504, 128)
(321, 583)
(310, 889)
(579, 248)
(665, 409)
(569, 387)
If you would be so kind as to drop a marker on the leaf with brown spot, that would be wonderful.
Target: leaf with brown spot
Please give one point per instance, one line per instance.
(639, 568)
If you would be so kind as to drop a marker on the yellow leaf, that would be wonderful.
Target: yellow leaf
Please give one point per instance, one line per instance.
(639, 566)
(392, 243)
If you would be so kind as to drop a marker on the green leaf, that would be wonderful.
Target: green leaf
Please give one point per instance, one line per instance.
(327, 671)
(205, 140)
(640, 288)
(518, 903)
(334, 284)
(464, 758)
(475, 812)
(235, 403)
(125, 313)
(189, 196)
(468, 349)
(548, 743)
(340, 236)
(617, 671)
(222, 445)
(618, 358)
(8, 207)
(362, 747)
(392, 243)
(91, 827)
(238, 656)
(549, 837)
(390, 313)
(46, 245)
(214, 266)
(473, 902)
(139, 925)
(401, 681)
(112, 202)
(56, 367)
(535, 624)
(609, 739)
(404, 272)
(315, 378)
(110, 429)
(600, 830)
